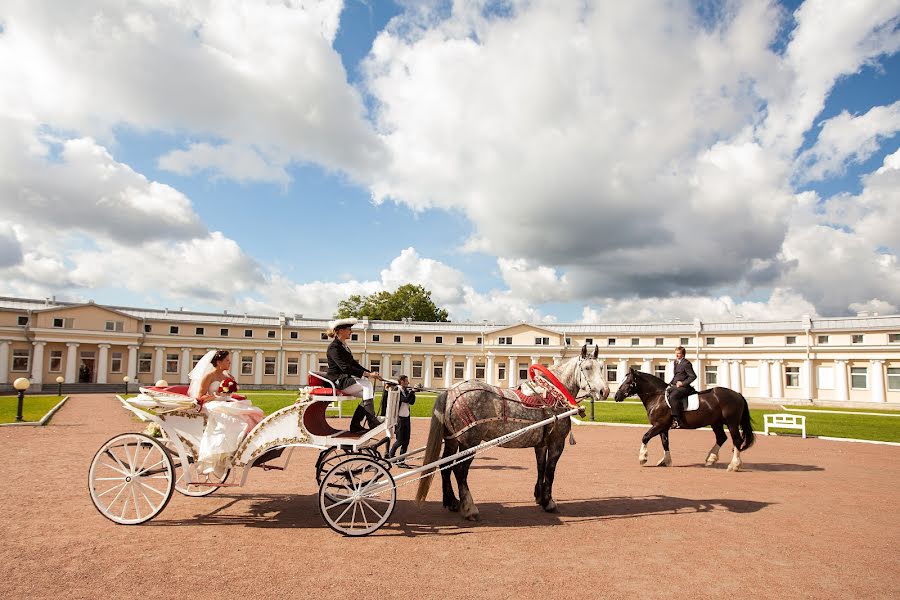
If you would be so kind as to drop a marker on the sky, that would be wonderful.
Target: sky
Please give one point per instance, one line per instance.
(548, 161)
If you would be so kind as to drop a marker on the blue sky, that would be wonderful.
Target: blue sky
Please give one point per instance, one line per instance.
(533, 161)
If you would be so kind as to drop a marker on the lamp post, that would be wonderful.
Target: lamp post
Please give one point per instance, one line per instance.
(59, 382)
(162, 383)
(125, 380)
(592, 407)
(21, 384)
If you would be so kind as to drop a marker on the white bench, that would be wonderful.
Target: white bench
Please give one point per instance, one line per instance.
(786, 421)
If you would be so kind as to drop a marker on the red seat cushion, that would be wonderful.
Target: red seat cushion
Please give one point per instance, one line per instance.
(316, 380)
(327, 391)
(172, 389)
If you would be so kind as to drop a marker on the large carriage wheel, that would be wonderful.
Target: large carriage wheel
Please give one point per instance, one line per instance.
(357, 496)
(131, 478)
(184, 487)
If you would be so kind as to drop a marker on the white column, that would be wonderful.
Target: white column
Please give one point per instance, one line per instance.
(429, 371)
(736, 376)
(186, 364)
(235, 363)
(386, 365)
(314, 362)
(102, 363)
(765, 390)
(281, 368)
(724, 374)
(37, 363)
(670, 370)
(490, 370)
(4, 361)
(470, 366)
(777, 379)
(700, 382)
(647, 366)
(512, 371)
(158, 364)
(557, 360)
(535, 360)
(876, 380)
(71, 356)
(364, 360)
(448, 370)
(840, 380)
(132, 362)
(406, 367)
(806, 377)
(623, 369)
(258, 368)
(304, 368)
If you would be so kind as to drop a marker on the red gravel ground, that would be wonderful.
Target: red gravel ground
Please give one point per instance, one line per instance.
(807, 519)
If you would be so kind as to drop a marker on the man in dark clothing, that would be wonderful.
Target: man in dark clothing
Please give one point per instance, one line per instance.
(350, 376)
(680, 386)
(403, 430)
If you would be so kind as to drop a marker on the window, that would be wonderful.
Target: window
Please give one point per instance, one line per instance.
(893, 379)
(223, 332)
(295, 335)
(857, 339)
(710, 341)
(173, 329)
(479, 340)
(171, 363)
(376, 337)
(293, 364)
(589, 341)
(354, 337)
(438, 339)
(568, 341)
(612, 373)
(21, 360)
(859, 377)
(323, 364)
(417, 339)
(505, 340)
(115, 326)
(200, 331)
(748, 341)
(147, 328)
(57, 322)
(894, 338)
(396, 339)
(459, 339)
(792, 377)
(55, 361)
(660, 371)
(22, 320)
(375, 365)
(479, 370)
(459, 370)
(635, 341)
(271, 334)
(684, 342)
(145, 360)
(523, 371)
(611, 341)
(659, 341)
(246, 365)
(711, 375)
(438, 371)
(396, 366)
(417, 369)
(825, 378)
(542, 341)
(195, 359)
(115, 363)
(269, 365)
(323, 336)
(790, 340)
(248, 333)
(501, 372)
(822, 339)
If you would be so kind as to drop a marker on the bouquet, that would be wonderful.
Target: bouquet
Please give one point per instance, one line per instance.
(228, 386)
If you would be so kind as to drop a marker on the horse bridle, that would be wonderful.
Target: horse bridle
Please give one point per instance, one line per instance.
(587, 382)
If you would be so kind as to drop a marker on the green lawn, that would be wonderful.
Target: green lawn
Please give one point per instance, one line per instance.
(881, 411)
(33, 408)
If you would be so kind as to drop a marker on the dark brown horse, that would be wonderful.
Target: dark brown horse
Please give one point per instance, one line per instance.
(719, 407)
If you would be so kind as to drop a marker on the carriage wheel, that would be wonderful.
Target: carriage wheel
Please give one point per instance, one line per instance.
(131, 478)
(329, 458)
(184, 487)
(357, 496)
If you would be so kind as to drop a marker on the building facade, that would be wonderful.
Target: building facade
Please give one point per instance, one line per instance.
(840, 360)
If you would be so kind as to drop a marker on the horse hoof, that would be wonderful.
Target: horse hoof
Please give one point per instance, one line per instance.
(452, 506)
(643, 461)
(473, 517)
(550, 506)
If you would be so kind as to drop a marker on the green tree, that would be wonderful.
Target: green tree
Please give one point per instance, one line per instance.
(408, 301)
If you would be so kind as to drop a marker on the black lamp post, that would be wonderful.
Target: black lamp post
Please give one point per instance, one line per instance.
(21, 384)
(592, 407)
(59, 382)
(125, 380)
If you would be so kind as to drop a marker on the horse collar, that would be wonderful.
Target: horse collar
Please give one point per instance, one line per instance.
(549, 376)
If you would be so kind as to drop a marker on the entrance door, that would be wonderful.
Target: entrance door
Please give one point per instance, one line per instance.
(86, 369)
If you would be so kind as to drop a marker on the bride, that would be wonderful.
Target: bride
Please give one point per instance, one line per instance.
(228, 419)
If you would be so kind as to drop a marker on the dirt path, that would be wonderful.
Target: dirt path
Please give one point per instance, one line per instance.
(808, 519)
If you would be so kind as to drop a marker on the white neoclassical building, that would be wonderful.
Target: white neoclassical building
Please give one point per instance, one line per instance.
(840, 360)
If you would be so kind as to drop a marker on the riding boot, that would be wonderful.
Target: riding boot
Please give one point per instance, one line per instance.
(677, 415)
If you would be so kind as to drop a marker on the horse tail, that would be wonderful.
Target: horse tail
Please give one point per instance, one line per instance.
(746, 426)
(433, 446)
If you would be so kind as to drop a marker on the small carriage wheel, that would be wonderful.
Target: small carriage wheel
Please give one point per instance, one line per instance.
(329, 458)
(357, 496)
(131, 478)
(183, 487)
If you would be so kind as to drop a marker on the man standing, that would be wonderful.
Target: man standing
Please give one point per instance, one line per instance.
(680, 386)
(403, 430)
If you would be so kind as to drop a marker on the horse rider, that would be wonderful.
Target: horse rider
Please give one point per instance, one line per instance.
(680, 386)
(350, 376)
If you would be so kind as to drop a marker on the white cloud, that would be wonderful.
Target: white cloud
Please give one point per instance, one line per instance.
(445, 282)
(239, 163)
(533, 283)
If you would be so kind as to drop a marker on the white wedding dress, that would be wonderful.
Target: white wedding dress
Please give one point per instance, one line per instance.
(228, 421)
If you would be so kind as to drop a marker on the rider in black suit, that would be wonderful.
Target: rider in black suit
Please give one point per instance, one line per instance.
(348, 375)
(680, 386)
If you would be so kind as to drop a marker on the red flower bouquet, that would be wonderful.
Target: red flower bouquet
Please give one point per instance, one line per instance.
(228, 386)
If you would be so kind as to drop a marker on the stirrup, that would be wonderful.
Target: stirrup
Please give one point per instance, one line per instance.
(676, 424)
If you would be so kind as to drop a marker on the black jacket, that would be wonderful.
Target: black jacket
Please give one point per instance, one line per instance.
(342, 365)
(407, 395)
(684, 371)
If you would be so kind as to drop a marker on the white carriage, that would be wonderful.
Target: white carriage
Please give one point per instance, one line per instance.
(133, 475)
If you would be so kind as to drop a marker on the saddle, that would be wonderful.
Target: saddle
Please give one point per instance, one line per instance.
(693, 399)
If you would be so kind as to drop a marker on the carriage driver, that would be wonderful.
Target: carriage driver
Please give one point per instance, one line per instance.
(348, 375)
(680, 386)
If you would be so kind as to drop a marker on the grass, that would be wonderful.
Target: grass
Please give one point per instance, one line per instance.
(880, 411)
(33, 408)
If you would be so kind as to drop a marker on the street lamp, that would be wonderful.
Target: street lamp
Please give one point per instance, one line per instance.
(21, 384)
(59, 382)
(162, 383)
(125, 380)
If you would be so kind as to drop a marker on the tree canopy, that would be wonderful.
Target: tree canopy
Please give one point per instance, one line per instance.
(409, 301)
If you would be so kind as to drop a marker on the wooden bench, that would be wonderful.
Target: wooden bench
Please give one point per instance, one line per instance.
(785, 421)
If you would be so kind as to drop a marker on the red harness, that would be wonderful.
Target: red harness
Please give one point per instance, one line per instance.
(546, 374)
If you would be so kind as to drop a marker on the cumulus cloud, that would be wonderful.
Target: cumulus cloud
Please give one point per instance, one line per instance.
(240, 163)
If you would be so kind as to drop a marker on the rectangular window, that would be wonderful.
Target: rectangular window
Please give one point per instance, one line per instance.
(568, 341)
(22, 320)
(612, 373)
(145, 362)
(55, 361)
(116, 362)
(748, 341)
(417, 339)
(248, 333)
(195, 358)
(396, 365)
(751, 377)
(417, 369)
(893, 379)
(295, 335)
(660, 341)
(822, 339)
(542, 341)
(438, 339)
(57, 322)
(171, 363)
(147, 328)
(223, 332)
(589, 341)
(710, 341)
(323, 336)
(459, 370)
(293, 365)
(115, 326)
(173, 329)
(396, 339)
(660, 371)
(792, 377)
(505, 340)
(375, 365)
(635, 341)
(246, 365)
(269, 365)
(354, 337)
(523, 371)
(611, 341)
(825, 378)
(200, 331)
(858, 339)
(479, 340)
(271, 334)
(894, 338)
(438, 370)
(459, 340)
(501, 372)
(479, 370)
(711, 374)
(859, 378)
(21, 360)
(323, 364)
(790, 340)
(376, 337)
(684, 341)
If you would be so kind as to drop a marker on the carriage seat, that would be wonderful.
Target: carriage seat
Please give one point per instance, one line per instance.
(172, 389)
(322, 386)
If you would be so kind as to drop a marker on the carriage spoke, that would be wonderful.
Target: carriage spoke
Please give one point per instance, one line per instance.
(115, 487)
(125, 470)
(141, 472)
(137, 509)
(140, 469)
(113, 467)
(151, 488)
(362, 513)
(147, 498)
(341, 516)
